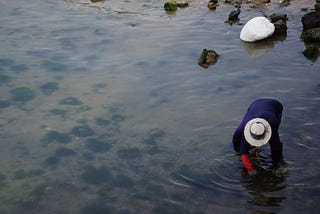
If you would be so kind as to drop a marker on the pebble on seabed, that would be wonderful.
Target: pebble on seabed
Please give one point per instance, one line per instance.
(256, 29)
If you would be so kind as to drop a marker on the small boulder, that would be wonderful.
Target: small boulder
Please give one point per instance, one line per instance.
(311, 20)
(311, 27)
(280, 27)
(233, 16)
(207, 58)
(256, 29)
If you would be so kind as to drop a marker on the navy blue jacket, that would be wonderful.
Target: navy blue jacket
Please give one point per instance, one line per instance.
(271, 111)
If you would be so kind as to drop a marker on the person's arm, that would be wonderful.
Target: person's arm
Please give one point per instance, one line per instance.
(276, 149)
(245, 158)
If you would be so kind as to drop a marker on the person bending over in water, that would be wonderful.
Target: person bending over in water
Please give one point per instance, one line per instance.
(258, 127)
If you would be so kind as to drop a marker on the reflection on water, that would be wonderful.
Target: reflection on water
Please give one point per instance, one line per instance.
(103, 109)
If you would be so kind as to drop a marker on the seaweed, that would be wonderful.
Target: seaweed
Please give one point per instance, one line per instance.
(55, 136)
(49, 87)
(70, 101)
(4, 78)
(59, 112)
(97, 145)
(130, 153)
(64, 152)
(54, 66)
(19, 68)
(4, 104)
(102, 122)
(93, 175)
(51, 161)
(22, 94)
(82, 131)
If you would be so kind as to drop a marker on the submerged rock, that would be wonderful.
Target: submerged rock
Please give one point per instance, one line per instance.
(207, 58)
(256, 29)
(22, 94)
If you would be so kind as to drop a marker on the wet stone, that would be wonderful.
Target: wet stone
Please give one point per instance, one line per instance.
(130, 153)
(97, 145)
(82, 131)
(22, 94)
(49, 87)
(54, 66)
(93, 175)
(55, 136)
(70, 101)
(4, 104)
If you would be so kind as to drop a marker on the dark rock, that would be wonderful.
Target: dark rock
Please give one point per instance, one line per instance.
(64, 152)
(4, 104)
(96, 1)
(280, 27)
(207, 58)
(55, 136)
(311, 20)
(275, 17)
(93, 175)
(212, 4)
(97, 145)
(233, 16)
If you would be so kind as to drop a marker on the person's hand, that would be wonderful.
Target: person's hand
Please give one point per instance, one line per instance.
(252, 172)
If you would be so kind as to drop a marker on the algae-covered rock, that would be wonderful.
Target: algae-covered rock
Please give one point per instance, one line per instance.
(207, 58)
(312, 35)
(170, 6)
(312, 52)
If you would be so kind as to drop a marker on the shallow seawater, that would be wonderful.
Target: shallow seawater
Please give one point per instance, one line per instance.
(104, 109)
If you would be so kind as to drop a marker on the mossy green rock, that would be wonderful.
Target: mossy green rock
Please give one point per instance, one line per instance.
(170, 6)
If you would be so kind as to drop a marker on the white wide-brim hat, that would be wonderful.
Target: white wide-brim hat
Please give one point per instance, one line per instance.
(257, 132)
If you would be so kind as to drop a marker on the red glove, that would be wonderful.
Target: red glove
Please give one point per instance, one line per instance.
(246, 162)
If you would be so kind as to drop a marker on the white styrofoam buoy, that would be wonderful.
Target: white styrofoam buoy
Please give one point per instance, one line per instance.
(256, 29)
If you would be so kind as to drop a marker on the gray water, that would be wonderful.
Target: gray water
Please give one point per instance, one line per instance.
(104, 109)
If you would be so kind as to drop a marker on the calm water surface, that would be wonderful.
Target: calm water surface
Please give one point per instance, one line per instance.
(103, 109)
